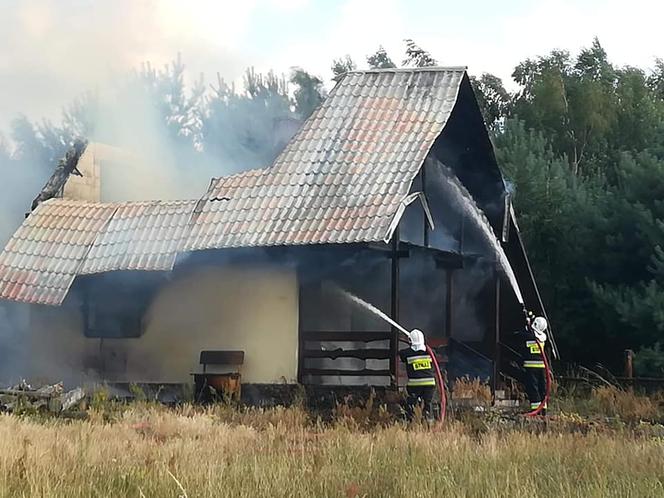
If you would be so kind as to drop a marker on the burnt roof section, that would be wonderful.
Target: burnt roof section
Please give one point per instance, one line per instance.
(341, 179)
(66, 167)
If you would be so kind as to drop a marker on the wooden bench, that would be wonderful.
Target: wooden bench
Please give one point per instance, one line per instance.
(222, 384)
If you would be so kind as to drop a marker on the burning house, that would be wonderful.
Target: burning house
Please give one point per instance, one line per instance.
(382, 193)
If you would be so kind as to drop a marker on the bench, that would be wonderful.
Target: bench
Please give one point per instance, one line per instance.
(224, 384)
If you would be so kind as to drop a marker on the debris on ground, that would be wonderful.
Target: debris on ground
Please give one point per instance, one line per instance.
(51, 398)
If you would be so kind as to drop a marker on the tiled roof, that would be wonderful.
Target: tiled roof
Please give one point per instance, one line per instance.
(44, 256)
(140, 236)
(62, 239)
(340, 179)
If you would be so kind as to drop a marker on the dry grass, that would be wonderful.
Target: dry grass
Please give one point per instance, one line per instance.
(625, 404)
(152, 451)
(466, 388)
(622, 405)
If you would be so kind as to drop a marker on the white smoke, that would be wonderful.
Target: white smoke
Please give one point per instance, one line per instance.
(54, 50)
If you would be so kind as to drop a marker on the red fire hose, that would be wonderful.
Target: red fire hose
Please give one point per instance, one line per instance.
(547, 372)
(441, 386)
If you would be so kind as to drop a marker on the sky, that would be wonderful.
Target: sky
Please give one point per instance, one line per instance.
(53, 50)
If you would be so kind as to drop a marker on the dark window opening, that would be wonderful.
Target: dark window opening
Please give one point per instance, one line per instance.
(114, 307)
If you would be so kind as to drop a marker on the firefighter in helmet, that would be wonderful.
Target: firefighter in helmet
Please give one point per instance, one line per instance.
(421, 380)
(532, 339)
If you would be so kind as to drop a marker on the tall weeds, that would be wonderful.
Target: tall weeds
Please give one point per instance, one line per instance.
(152, 451)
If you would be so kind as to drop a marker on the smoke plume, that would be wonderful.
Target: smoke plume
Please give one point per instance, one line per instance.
(74, 69)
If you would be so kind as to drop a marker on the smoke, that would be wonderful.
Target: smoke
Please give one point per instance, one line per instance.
(55, 50)
(79, 69)
(13, 323)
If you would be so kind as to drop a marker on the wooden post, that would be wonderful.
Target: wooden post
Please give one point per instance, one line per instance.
(301, 345)
(629, 363)
(448, 303)
(394, 310)
(496, 345)
(423, 177)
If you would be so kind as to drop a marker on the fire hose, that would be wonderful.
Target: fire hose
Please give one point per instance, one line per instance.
(547, 373)
(441, 385)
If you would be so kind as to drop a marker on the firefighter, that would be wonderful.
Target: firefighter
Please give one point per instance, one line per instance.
(421, 381)
(532, 339)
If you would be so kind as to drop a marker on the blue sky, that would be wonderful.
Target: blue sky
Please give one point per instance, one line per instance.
(52, 50)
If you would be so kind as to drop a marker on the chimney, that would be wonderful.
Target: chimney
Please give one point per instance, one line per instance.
(88, 186)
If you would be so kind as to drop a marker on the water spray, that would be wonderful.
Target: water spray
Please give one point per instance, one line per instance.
(384, 316)
(470, 207)
(376, 312)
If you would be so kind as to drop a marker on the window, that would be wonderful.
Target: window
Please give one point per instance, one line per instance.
(113, 308)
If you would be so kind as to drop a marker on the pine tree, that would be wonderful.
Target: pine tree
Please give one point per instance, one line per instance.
(342, 66)
(380, 60)
(308, 92)
(416, 56)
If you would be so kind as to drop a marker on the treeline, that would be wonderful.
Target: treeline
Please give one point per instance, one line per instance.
(581, 141)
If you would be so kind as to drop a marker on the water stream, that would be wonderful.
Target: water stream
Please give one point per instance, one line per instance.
(375, 311)
(460, 195)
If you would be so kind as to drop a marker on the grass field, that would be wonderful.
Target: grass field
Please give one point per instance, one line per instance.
(153, 451)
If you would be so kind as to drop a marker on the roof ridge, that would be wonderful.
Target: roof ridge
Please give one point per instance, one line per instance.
(130, 202)
(249, 172)
(432, 69)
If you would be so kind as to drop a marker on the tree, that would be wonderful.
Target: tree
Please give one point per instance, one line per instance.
(341, 66)
(630, 288)
(308, 92)
(40, 144)
(380, 60)
(649, 361)
(417, 56)
(656, 79)
(178, 107)
(492, 98)
(238, 126)
(573, 101)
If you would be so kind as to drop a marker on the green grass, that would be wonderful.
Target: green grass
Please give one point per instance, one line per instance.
(143, 450)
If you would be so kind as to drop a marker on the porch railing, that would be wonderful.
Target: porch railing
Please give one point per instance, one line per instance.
(311, 348)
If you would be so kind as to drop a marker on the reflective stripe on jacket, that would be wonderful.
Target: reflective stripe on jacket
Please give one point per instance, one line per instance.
(419, 362)
(427, 381)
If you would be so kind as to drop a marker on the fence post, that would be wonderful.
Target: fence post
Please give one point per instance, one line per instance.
(629, 363)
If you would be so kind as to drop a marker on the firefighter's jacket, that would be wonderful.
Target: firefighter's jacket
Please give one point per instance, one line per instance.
(530, 349)
(419, 367)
